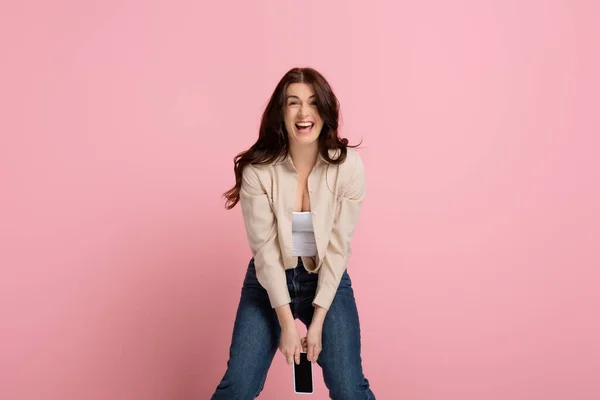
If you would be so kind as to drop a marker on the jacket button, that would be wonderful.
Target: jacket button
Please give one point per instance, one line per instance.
(314, 213)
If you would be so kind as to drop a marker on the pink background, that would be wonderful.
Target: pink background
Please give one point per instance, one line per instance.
(476, 262)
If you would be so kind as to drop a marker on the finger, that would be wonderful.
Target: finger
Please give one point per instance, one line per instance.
(289, 358)
(297, 354)
(311, 352)
(316, 353)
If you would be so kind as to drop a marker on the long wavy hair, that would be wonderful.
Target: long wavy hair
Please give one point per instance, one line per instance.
(273, 139)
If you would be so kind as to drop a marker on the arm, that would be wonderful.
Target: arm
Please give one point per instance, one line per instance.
(338, 249)
(261, 230)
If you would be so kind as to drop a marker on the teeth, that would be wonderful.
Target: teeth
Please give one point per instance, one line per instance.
(304, 124)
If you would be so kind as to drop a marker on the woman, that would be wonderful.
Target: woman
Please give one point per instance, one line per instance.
(300, 188)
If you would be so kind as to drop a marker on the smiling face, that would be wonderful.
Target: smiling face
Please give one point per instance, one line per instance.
(300, 114)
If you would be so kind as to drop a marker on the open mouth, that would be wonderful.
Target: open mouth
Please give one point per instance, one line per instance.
(304, 127)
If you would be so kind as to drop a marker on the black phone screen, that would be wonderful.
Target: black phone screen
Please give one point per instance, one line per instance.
(303, 381)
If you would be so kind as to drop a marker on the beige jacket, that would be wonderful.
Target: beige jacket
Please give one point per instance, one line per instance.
(267, 199)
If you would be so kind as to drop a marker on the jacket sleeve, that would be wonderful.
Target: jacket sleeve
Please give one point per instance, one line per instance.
(338, 249)
(261, 230)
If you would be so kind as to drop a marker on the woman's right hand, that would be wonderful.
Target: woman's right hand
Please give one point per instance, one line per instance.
(290, 344)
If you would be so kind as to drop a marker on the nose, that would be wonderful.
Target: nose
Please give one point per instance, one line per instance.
(303, 111)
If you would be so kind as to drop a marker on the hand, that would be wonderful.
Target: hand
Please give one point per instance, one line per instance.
(289, 343)
(311, 344)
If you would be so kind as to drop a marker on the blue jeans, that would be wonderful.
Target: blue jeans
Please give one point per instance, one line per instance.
(256, 339)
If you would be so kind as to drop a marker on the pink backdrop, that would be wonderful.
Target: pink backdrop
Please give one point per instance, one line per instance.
(475, 264)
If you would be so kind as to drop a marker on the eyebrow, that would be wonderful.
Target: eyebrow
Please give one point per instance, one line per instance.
(292, 95)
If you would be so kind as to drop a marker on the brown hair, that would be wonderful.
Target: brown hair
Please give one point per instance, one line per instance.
(272, 140)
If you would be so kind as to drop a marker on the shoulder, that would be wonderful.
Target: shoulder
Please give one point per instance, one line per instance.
(350, 175)
(258, 176)
(249, 173)
(258, 172)
(352, 165)
(251, 179)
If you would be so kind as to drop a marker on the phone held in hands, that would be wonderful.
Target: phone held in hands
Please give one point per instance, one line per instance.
(303, 376)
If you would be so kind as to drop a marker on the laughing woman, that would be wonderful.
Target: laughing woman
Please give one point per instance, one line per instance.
(300, 187)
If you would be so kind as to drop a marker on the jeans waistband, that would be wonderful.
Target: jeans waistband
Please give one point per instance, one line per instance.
(299, 264)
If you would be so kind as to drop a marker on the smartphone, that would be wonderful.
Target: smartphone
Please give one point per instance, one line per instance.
(303, 377)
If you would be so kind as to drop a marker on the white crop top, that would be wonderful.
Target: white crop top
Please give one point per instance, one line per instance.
(303, 235)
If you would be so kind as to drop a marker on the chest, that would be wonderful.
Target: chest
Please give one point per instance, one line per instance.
(302, 200)
(317, 191)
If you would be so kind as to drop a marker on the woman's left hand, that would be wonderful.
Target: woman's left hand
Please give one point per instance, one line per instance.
(311, 344)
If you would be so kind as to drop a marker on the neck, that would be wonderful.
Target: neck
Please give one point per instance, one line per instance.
(304, 157)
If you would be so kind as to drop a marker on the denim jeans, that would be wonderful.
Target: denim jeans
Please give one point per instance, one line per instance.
(256, 335)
